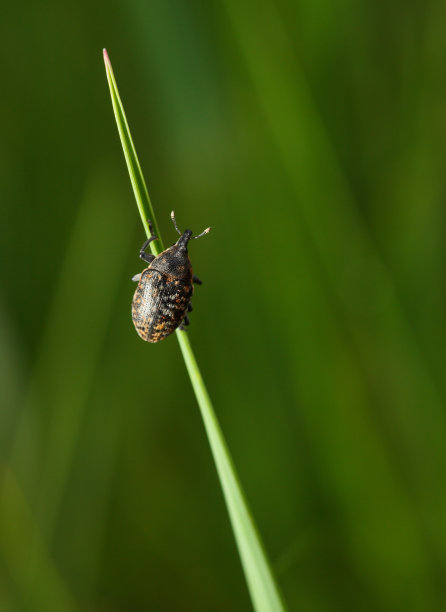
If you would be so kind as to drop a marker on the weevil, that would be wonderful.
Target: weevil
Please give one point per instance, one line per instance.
(162, 298)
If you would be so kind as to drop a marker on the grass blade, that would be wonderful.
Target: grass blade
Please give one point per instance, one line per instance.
(262, 587)
(136, 176)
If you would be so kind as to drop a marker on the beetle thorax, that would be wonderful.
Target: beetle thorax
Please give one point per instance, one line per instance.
(174, 262)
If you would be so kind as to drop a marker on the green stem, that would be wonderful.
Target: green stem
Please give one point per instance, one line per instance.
(142, 197)
(262, 587)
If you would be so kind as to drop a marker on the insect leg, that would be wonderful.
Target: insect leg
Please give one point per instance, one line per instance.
(136, 278)
(149, 223)
(196, 280)
(184, 323)
(147, 257)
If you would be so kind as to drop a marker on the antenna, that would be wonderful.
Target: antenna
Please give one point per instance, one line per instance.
(172, 216)
(206, 231)
(174, 221)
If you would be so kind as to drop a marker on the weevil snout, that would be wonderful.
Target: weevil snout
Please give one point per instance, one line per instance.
(184, 239)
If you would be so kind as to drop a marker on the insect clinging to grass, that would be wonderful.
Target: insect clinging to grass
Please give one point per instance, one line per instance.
(162, 298)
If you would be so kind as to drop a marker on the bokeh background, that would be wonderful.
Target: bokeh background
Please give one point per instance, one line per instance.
(312, 137)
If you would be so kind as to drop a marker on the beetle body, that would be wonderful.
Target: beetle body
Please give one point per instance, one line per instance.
(162, 298)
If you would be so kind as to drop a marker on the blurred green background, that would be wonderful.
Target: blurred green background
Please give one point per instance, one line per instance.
(312, 137)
